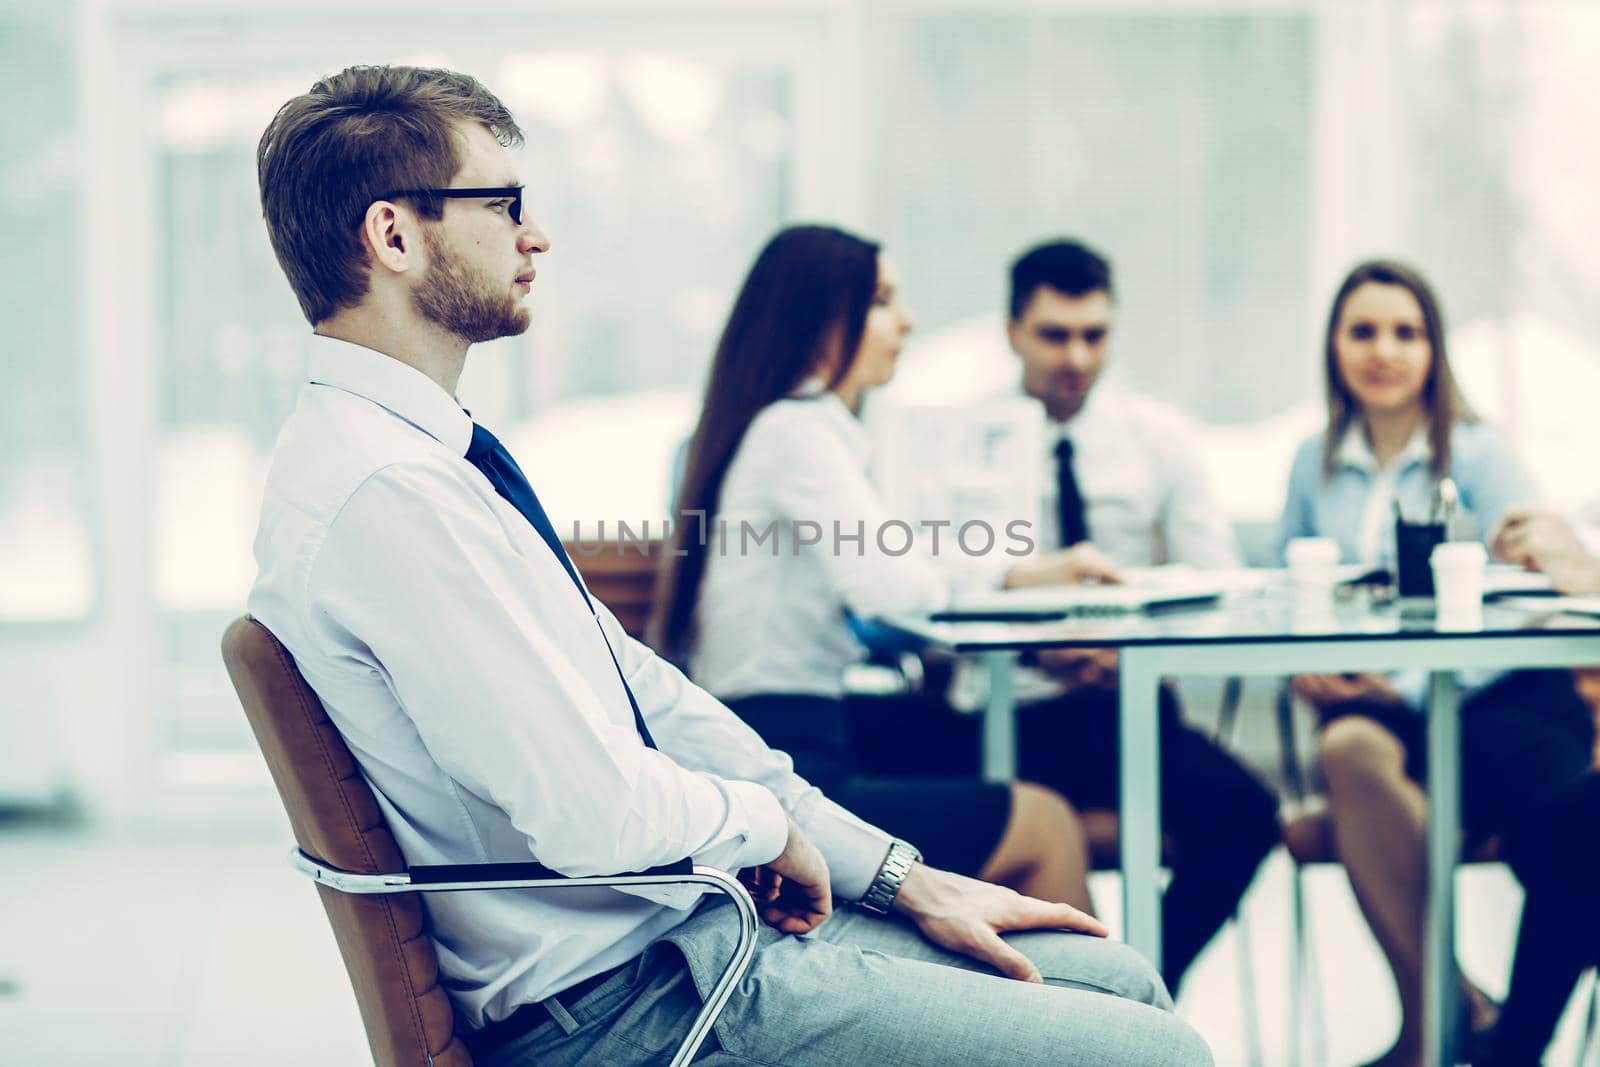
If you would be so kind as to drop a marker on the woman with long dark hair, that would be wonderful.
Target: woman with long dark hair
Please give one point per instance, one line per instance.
(1397, 425)
(778, 545)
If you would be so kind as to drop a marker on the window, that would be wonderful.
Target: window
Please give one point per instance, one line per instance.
(47, 570)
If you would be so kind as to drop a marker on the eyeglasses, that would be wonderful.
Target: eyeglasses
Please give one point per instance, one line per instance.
(511, 192)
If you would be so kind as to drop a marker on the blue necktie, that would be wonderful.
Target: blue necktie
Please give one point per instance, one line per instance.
(490, 456)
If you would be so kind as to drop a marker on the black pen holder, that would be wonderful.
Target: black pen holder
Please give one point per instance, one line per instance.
(1413, 551)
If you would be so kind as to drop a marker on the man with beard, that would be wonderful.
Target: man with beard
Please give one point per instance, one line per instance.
(500, 714)
(1123, 488)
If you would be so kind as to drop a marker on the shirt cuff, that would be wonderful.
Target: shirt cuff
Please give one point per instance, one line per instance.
(769, 826)
(853, 849)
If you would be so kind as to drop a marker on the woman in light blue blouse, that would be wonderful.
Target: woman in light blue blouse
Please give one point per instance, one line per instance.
(1397, 423)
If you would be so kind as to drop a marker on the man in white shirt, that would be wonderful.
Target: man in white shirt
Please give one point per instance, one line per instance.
(499, 714)
(1122, 480)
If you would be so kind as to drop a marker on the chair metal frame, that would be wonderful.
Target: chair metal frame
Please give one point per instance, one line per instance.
(1305, 994)
(1249, 1008)
(465, 877)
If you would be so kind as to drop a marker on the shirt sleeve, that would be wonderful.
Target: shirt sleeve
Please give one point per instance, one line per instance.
(1299, 499)
(1493, 479)
(703, 735)
(1195, 526)
(874, 560)
(500, 668)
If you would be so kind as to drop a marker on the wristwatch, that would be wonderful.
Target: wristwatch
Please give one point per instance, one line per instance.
(891, 876)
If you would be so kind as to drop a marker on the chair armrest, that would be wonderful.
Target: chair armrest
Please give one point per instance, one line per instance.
(457, 877)
(450, 873)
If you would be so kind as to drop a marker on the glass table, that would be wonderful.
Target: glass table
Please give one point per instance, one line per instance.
(1273, 632)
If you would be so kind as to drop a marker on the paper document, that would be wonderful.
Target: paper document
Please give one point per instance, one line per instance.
(1555, 605)
(1059, 601)
(1502, 580)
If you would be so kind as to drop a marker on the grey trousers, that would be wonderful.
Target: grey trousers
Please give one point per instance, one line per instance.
(869, 992)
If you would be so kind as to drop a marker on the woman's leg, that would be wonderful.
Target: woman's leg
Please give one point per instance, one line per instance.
(1220, 819)
(1379, 824)
(1379, 817)
(1043, 851)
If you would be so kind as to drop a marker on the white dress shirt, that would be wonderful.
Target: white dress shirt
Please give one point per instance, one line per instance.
(464, 669)
(1146, 496)
(1147, 502)
(771, 617)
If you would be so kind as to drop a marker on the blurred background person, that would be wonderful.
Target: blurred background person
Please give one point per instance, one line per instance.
(764, 626)
(1397, 423)
(1120, 481)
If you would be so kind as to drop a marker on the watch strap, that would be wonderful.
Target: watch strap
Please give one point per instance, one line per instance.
(891, 876)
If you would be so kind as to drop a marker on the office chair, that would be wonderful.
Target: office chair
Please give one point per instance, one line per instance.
(367, 890)
(621, 574)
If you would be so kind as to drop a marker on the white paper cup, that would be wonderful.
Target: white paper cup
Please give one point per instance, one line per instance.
(1313, 565)
(1312, 613)
(1458, 571)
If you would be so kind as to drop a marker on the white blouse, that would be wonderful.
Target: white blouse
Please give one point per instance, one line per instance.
(801, 538)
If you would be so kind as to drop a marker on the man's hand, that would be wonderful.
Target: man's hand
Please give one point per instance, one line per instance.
(792, 892)
(1080, 667)
(1326, 690)
(968, 916)
(1543, 541)
(1072, 566)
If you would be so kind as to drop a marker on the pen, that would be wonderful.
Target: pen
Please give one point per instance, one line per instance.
(1452, 499)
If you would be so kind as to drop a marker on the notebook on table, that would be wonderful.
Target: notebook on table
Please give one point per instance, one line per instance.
(1043, 603)
(1503, 580)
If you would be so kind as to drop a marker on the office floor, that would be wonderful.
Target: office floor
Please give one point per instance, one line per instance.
(191, 953)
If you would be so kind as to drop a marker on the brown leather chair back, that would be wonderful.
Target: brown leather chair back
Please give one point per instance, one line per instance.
(622, 576)
(384, 939)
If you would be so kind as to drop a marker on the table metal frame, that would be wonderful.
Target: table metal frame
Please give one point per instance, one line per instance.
(1144, 662)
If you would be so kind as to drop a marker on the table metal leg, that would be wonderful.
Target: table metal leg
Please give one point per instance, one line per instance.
(1140, 803)
(1439, 993)
(999, 719)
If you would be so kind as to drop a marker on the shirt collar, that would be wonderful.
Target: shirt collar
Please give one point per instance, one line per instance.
(1355, 451)
(845, 420)
(1093, 405)
(394, 386)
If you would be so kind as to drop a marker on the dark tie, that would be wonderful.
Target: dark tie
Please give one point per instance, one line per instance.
(1069, 501)
(490, 456)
